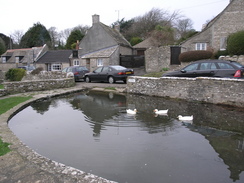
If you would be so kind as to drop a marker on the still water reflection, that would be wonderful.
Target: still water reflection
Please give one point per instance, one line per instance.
(91, 131)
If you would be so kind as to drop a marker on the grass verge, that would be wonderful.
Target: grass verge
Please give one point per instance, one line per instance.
(4, 149)
(8, 103)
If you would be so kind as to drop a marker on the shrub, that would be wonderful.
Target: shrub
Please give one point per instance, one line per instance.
(235, 44)
(221, 53)
(15, 74)
(195, 55)
(37, 71)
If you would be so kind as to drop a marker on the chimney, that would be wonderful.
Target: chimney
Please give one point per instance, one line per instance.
(95, 19)
(117, 27)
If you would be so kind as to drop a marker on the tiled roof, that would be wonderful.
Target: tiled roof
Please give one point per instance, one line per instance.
(103, 53)
(55, 56)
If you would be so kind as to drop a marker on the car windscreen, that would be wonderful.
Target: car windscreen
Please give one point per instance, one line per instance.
(237, 64)
(81, 68)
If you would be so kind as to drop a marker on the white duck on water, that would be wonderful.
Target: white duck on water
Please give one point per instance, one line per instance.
(160, 111)
(185, 118)
(129, 111)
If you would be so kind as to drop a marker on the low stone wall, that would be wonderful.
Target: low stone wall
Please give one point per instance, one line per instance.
(210, 90)
(36, 85)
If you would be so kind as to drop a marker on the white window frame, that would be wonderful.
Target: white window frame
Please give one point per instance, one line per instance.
(4, 59)
(76, 62)
(99, 62)
(56, 67)
(223, 43)
(16, 60)
(201, 46)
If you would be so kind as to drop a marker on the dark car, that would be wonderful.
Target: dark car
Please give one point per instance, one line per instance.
(210, 68)
(109, 74)
(78, 71)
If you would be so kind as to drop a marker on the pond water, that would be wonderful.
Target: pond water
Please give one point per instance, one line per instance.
(91, 131)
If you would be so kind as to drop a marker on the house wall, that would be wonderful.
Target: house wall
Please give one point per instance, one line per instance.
(125, 50)
(101, 37)
(211, 90)
(229, 21)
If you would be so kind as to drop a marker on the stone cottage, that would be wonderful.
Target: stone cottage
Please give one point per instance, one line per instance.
(101, 45)
(54, 60)
(14, 58)
(214, 35)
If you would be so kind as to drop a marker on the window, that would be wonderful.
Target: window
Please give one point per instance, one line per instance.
(223, 43)
(99, 62)
(207, 66)
(17, 60)
(76, 62)
(191, 67)
(225, 66)
(201, 46)
(56, 67)
(4, 59)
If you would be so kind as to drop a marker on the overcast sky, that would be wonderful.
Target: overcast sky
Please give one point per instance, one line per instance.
(22, 14)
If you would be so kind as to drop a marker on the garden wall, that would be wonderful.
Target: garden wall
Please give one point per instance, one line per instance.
(36, 85)
(210, 90)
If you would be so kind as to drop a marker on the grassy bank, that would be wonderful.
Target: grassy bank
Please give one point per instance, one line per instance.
(8, 103)
(5, 105)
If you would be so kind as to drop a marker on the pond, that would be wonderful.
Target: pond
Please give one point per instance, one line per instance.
(91, 131)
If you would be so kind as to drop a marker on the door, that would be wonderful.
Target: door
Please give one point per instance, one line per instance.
(175, 53)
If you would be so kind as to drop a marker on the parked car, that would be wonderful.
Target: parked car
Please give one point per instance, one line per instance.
(78, 72)
(109, 74)
(27, 68)
(210, 68)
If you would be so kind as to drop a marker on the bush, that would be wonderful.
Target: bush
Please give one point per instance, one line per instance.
(37, 71)
(221, 53)
(235, 44)
(15, 74)
(195, 55)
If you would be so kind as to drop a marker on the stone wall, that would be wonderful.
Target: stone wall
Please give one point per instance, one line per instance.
(210, 90)
(236, 58)
(36, 85)
(157, 58)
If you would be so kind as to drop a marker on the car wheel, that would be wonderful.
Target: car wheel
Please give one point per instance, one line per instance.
(111, 79)
(87, 79)
(124, 81)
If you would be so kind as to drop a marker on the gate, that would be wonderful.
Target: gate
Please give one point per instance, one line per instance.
(175, 52)
(132, 61)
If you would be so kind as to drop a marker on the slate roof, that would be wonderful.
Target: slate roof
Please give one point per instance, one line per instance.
(118, 37)
(26, 53)
(103, 53)
(144, 44)
(55, 56)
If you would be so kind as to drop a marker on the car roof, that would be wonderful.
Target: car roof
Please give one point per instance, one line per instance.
(213, 60)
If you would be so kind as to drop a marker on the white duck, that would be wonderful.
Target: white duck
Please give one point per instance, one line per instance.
(160, 111)
(129, 111)
(185, 118)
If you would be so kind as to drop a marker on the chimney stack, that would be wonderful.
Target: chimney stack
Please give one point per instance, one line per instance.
(95, 19)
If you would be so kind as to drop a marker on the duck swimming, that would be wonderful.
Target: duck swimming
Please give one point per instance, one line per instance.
(129, 111)
(185, 118)
(160, 111)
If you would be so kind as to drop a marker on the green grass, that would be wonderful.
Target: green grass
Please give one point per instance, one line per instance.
(154, 74)
(4, 149)
(110, 88)
(8, 103)
(1, 86)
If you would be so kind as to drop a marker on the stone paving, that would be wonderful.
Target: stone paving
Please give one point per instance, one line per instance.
(23, 165)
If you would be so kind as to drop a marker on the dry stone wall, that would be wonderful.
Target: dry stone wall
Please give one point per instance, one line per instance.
(210, 90)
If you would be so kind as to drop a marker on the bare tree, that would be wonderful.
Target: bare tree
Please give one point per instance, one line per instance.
(143, 25)
(183, 26)
(16, 36)
(55, 37)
